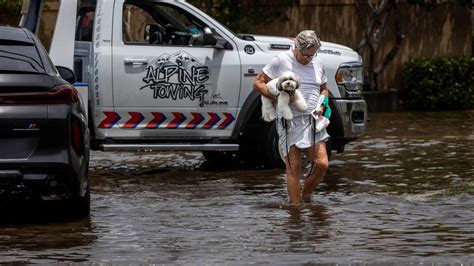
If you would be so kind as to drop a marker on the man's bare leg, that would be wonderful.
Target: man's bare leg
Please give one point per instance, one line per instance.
(320, 159)
(293, 173)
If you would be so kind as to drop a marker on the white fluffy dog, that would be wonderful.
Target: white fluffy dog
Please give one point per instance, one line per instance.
(283, 87)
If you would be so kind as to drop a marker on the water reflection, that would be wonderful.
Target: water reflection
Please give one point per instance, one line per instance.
(410, 153)
(401, 194)
(46, 242)
(307, 224)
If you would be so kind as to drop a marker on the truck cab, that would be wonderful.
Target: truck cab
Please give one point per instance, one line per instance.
(162, 75)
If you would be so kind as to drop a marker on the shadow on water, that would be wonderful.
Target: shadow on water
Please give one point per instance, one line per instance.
(27, 230)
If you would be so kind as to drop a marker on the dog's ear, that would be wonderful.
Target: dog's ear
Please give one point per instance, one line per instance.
(278, 85)
(297, 82)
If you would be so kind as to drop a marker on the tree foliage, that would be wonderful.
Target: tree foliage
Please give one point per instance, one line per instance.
(241, 16)
(376, 16)
(440, 83)
(11, 6)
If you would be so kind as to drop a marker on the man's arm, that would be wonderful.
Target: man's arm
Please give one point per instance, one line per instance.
(326, 110)
(260, 85)
(323, 90)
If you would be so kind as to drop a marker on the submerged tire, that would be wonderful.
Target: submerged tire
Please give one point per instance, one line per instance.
(329, 148)
(259, 147)
(272, 154)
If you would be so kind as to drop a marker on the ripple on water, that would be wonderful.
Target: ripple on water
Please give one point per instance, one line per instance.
(401, 197)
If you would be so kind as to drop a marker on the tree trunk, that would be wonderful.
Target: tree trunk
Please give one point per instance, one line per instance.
(374, 28)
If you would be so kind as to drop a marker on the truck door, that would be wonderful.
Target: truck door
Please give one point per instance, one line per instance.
(166, 82)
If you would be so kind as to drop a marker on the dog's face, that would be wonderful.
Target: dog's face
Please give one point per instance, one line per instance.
(288, 81)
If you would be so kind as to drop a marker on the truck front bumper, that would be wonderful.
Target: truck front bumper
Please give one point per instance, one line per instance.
(353, 114)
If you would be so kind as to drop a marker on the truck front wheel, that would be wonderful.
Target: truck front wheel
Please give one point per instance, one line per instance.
(273, 158)
(259, 146)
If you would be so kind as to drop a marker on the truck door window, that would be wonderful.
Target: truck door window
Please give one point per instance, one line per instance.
(160, 24)
(85, 24)
(85, 19)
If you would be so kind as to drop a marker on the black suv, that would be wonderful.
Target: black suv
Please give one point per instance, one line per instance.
(44, 139)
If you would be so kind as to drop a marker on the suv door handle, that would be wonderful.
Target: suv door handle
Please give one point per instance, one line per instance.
(135, 61)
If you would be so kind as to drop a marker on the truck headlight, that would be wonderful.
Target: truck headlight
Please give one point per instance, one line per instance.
(349, 79)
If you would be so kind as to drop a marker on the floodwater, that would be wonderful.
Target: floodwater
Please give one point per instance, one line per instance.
(403, 193)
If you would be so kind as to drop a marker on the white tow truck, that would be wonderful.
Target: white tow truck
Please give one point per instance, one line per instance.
(161, 75)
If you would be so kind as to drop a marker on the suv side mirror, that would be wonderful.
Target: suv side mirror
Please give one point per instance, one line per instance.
(66, 74)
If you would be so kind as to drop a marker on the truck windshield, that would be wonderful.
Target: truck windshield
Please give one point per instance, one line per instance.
(19, 57)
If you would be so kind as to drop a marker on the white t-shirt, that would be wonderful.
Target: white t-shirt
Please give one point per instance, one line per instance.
(311, 77)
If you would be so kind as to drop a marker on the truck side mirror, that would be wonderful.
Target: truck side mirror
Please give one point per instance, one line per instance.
(210, 38)
(153, 34)
(66, 74)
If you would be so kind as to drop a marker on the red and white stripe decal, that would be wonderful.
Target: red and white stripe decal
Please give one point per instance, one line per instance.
(174, 120)
(158, 118)
(110, 120)
(135, 119)
(197, 119)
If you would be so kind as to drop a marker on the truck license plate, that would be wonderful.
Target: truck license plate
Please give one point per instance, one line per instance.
(359, 128)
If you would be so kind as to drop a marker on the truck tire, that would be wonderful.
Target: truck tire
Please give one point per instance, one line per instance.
(273, 158)
(329, 148)
(259, 146)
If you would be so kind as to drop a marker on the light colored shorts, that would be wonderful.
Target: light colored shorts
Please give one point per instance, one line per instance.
(299, 132)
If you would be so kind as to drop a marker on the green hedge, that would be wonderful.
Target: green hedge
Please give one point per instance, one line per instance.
(440, 83)
(12, 6)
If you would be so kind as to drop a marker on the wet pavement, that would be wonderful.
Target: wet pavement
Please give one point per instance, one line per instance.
(402, 193)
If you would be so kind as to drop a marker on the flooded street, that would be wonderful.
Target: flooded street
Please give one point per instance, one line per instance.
(402, 193)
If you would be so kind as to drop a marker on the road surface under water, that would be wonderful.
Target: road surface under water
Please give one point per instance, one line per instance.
(402, 193)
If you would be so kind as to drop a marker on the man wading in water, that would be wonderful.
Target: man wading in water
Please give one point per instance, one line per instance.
(299, 135)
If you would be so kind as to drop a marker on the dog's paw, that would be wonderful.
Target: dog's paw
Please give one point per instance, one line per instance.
(288, 115)
(269, 117)
(301, 105)
(299, 102)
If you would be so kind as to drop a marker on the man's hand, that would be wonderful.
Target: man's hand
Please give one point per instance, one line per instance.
(260, 85)
(318, 111)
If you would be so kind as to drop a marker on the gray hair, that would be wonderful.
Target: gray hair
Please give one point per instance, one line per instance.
(307, 39)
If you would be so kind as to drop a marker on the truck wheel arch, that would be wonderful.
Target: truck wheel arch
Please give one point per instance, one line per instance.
(251, 104)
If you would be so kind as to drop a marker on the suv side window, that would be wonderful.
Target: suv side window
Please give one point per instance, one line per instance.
(160, 24)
